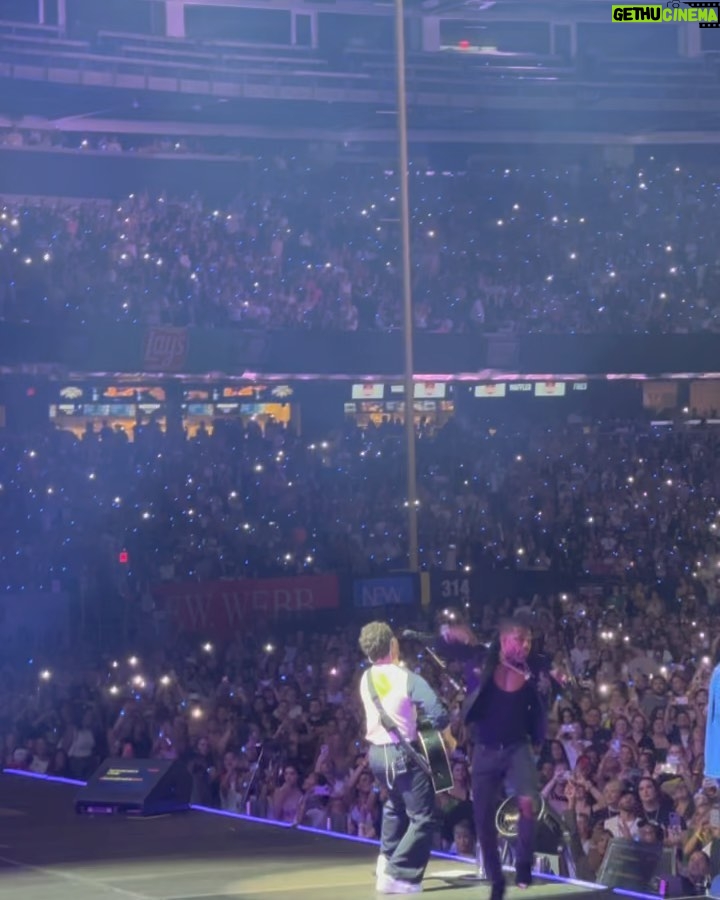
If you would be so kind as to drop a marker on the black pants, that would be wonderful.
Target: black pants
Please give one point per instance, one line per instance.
(511, 767)
(407, 824)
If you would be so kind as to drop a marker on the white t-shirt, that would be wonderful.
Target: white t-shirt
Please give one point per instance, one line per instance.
(391, 684)
(613, 826)
(39, 765)
(83, 744)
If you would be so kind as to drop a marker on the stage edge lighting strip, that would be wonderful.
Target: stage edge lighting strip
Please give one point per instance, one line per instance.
(38, 776)
(626, 893)
(438, 854)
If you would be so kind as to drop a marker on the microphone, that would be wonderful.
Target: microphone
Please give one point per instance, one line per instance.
(417, 635)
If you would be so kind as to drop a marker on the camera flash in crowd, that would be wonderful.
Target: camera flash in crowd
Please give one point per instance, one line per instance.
(196, 712)
(165, 680)
(45, 675)
(207, 647)
(133, 661)
(114, 689)
(269, 648)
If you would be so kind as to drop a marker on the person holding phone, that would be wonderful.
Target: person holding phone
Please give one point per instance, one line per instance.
(700, 832)
(675, 830)
(679, 792)
(554, 793)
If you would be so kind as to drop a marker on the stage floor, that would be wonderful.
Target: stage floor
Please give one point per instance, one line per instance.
(47, 852)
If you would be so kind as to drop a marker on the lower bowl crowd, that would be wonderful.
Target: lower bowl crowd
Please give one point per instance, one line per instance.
(270, 724)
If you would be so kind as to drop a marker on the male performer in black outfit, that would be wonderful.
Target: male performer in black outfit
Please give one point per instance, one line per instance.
(407, 825)
(506, 714)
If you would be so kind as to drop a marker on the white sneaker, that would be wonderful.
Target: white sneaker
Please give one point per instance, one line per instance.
(386, 884)
(381, 866)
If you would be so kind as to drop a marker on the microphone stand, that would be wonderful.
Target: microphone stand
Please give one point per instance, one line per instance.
(479, 875)
(253, 776)
(441, 664)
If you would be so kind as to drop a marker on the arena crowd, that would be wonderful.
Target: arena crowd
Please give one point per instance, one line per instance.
(269, 722)
(513, 247)
(620, 499)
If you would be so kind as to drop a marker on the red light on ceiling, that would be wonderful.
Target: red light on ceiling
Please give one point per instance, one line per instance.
(123, 557)
(464, 45)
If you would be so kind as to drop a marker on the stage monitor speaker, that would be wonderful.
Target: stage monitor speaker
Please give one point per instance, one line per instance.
(630, 864)
(136, 787)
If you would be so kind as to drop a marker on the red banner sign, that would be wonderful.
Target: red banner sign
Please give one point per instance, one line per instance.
(221, 606)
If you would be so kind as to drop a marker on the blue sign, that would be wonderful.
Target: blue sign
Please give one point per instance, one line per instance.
(399, 590)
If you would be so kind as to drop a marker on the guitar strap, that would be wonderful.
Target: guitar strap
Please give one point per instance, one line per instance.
(391, 727)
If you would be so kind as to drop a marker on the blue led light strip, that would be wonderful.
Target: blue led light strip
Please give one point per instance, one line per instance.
(40, 777)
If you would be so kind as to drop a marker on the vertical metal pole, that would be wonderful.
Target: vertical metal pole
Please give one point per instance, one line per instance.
(412, 520)
(62, 16)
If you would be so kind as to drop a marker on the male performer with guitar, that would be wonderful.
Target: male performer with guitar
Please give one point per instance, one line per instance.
(391, 696)
(506, 714)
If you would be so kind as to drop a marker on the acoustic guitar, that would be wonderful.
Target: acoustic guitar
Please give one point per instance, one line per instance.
(437, 762)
